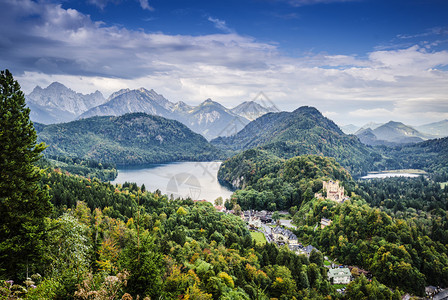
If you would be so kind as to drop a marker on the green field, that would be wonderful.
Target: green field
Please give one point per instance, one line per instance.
(258, 237)
(339, 286)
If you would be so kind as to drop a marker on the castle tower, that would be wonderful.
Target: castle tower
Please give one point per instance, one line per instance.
(334, 191)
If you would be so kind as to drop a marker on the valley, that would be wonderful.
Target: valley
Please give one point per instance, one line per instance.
(223, 150)
(144, 198)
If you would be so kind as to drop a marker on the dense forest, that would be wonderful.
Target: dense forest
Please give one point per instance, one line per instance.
(304, 131)
(405, 237)
(397, 251)
(85, 167)
(265, 181)
(135, 138)
(121, 241)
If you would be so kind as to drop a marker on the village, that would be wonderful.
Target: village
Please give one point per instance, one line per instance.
(278, 229)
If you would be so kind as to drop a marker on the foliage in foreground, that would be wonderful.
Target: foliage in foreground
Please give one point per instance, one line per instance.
(23, 204)
(160, 247)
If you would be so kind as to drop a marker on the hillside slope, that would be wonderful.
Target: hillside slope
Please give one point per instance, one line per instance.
(303, 131)
(130, 139)
(268, 182)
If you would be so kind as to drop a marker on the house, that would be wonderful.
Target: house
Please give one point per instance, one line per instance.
(284, 236)
(325, 222)
(334, 191)
(299, 249)
(308, 249)
(266, 219)
(254, 222)
(339, 275)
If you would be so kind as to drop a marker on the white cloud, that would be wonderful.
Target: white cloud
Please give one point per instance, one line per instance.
(65, 45)
(220, 24)
(145, 5)
(103, 3)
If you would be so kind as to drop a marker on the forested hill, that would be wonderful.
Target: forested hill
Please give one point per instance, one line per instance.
(430, 155)
(129, 139)
(269, 182)
(303, 131)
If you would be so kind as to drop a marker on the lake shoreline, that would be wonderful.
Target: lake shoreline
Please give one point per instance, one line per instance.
(410, 173)
(197, 180)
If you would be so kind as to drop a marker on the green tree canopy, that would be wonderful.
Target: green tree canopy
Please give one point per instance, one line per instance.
(23, 204)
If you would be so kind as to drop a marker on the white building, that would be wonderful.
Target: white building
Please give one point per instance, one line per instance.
(340, 275)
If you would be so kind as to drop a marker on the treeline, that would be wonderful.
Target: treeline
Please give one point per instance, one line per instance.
(77, 166)
(431, 156)
(397, 194)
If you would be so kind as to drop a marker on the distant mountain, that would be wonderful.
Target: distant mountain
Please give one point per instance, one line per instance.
(371, 125)
(437, 129)
(251, 110)
(130, 101)
(391, 133)
(211, 119)
(57, 103)
(349, 129)
(303, 131)
(129, 139)
(48, 115)
(182, 107)
(366, 136)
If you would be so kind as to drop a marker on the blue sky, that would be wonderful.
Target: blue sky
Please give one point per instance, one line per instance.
(356, 61)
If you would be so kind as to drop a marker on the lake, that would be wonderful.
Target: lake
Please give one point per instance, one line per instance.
(197, 180)
(389, 174)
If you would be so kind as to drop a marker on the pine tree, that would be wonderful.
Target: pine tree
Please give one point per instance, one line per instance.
(23, 204)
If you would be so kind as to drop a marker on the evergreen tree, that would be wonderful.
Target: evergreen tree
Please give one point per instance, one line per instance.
(23, 204)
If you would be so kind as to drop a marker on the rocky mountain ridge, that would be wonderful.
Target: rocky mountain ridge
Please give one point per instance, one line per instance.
(57, 104)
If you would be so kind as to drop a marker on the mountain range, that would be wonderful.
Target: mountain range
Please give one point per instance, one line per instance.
(391, 133)
(57, 104)
(436, 129)
(396, 133)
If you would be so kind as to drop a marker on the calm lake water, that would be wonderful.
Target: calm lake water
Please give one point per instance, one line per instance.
(197, 180)
(385, 175)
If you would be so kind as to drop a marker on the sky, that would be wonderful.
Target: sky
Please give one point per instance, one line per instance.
(357, 61)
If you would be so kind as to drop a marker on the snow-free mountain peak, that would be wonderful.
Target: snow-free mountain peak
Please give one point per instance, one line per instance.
(391, 133)
(436, 129)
